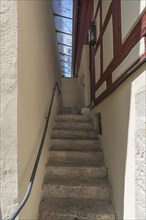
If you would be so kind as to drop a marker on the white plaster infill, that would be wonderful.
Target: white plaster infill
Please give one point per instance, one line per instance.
(108, 45)
(134, 54)
(97, 65)
(101, 89)
(130, 14)
(105, 8)
(8, 108)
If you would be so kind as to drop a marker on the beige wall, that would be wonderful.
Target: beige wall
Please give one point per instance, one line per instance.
(8, 108)
(70, 92)
(38, 69)
(74, 94)
(84, 92)
(115, 115)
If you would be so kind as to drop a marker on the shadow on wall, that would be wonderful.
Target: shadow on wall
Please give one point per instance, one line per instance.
(0, 214)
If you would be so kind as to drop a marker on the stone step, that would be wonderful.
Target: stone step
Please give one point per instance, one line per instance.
(75, 156)
(75, 209)
(94, 188)
(73, 125)
(71, 110)
(71, 134)
(78, 170)
(75, 144)
(72, 118)
(75, 185)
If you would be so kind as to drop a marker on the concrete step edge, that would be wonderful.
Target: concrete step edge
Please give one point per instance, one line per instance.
(75, 182)
(75, 150)
(75, 156)
(71, 208)
(80, 165)
(77, 118)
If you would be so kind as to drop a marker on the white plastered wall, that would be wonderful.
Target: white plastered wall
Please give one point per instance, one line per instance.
(8, 107)
(115, 114)
(84, 91)
(70, 92)
(108, 45)
(38, 69)
(95, 5)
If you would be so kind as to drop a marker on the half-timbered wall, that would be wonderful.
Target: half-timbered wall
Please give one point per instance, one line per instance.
(120, 47)
(118, 68)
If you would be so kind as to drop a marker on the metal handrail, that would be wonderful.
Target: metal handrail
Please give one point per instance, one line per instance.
(31, 181)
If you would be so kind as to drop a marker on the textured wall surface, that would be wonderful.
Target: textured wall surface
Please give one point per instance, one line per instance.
(140, 151)
(134, 186)
(8, 105)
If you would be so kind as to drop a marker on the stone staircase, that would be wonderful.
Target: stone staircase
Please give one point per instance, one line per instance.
(75, 185)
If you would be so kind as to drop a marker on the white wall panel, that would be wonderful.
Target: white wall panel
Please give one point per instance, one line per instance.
(130, 11)
(108, 45)
(97, 65)
(95, 5)
(98, 25)
(132, 56)
(101, 89)
(105, 7)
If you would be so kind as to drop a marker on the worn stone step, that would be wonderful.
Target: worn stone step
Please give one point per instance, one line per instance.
(71, 134)
(78, 170)
(72, 117)
(75, 209)
(56, 187)
(71, 110)
(73, 125)
(75, 156)
(75, 144)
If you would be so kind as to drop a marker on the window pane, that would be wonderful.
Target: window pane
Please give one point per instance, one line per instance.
(66, 74)
(63, 19)
(63, 7)
(63, 24)
(65, 58)
(64, 64)
(66, 70)
(64, 39)
(65, 49)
